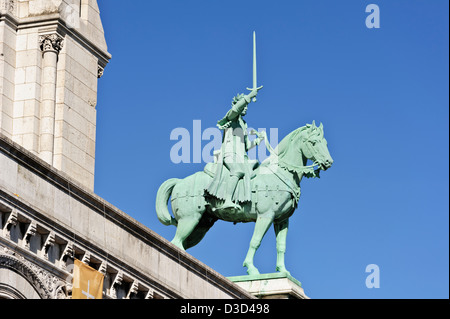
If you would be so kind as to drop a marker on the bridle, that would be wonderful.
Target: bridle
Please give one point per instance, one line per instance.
(303, 169)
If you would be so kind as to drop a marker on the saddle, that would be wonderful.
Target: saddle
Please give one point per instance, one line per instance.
(211, 168)
(221, 175)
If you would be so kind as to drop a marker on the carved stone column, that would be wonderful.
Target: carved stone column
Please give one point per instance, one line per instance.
(50, 45)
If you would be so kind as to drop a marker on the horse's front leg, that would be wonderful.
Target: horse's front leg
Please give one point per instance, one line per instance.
(263, 223)
(281, 229)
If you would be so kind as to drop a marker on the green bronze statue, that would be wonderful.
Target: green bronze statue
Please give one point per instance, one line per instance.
(236, 189)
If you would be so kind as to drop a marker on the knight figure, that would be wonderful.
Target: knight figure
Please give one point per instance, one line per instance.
(233, 160)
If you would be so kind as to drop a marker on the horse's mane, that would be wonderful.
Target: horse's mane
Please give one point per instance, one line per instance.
(287, 140)
(284, 148)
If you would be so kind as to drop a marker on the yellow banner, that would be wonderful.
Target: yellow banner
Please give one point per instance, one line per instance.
(87, 282)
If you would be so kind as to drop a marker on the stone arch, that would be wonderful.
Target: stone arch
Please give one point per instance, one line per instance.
(9, 292)
(18, 281)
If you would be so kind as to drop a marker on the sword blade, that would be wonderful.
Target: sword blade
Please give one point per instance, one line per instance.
(254, 61)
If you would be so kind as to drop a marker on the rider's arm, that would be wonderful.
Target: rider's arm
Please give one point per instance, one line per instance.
(237, 108)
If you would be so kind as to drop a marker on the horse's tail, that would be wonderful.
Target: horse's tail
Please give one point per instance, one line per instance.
(162, 199)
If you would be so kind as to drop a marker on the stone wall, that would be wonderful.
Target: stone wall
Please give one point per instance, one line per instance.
(47, 219)
(52, 54)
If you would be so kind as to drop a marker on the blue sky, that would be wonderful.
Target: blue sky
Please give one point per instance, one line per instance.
(382, 95)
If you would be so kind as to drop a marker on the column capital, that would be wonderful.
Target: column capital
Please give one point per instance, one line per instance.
(51, 42)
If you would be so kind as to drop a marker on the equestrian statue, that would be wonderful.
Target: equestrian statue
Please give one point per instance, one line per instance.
(236, 189)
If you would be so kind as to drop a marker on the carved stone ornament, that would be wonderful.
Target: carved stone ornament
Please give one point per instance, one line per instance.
(117, 282)
(51, 42)
(133, 289)
(8, 5)
(100, 71)
(11, 221)
(18, 266)
(46, 285)
(31, 231)
(50, 241)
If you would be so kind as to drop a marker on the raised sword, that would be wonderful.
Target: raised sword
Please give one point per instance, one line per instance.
(255, 85)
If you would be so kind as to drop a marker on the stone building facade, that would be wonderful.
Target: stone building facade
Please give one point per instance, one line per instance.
(52, 53)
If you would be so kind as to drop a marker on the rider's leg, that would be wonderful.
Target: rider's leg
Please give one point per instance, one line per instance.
(236, 173)
(231, 187)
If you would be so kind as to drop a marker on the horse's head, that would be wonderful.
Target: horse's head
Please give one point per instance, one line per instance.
(304, 143)
(314, 146)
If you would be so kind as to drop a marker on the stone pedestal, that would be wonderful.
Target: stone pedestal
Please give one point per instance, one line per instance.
(271, 286)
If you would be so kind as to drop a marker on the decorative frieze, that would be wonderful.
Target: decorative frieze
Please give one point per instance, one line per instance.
(46, 284)
(17, 230)
(9, 261)
(34, 263)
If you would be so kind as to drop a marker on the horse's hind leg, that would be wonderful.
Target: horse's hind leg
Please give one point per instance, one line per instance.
(184, 228)
(188, 206)
(206, 222)
(262, 225)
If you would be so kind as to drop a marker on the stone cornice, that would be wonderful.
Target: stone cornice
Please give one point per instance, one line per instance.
(8, 18)
(103, 56)
(54, 22)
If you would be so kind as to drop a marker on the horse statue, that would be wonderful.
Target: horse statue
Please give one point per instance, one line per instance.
(275, 192)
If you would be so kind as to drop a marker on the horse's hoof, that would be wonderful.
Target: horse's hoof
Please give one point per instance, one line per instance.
(283, 271)
(251, 270)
